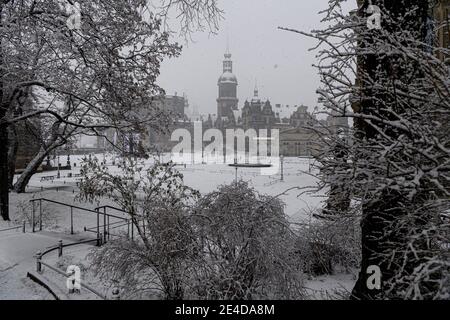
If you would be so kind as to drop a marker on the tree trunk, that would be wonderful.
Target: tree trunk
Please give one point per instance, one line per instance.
(4, 175)
(379, 215)
(4, 190)
(12, 154)
(31, 169)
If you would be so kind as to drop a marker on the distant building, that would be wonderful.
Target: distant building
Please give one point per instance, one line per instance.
(298, 129)
(302, 118)
(227, 101)
(257, 114)
(175, 105)
(299, 142)
(337, 124)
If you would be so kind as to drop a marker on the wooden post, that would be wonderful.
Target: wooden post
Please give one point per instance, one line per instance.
(71, 220)
(24, 226)
(60, 248)
(38, 262)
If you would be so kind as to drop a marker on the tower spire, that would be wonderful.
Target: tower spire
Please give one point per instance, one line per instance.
(227, 63)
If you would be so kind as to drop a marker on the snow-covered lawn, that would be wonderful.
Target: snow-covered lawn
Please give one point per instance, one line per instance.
(207, 177)
(17, 249)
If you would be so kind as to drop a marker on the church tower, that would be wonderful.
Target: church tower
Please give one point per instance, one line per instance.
(227, 100)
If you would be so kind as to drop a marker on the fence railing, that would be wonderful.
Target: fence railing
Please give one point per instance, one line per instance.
(102, 210)
(39, 263)
(107, 226)
(23, 227)
(40, 200)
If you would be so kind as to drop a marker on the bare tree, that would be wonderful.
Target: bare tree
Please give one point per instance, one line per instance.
(156, 201)
(107, 65)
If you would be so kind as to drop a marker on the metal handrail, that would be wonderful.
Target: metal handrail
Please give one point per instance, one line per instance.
(13, 228)
(114, 208)
(16, 227)
(107, 216)
(84, 209)
(63, 204)
(111, 224)
(88, 287)
(39, 257)
(66, 245)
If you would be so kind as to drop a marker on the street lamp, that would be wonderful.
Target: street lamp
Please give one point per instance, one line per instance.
(58, 175)
(68, 156)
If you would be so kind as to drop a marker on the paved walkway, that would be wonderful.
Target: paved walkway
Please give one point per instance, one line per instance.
(17, 252)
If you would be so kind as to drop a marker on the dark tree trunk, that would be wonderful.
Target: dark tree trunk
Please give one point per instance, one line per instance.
(12, 154)
(34, 164)
(29, 171)
(4, 174)
(4, 190)
(339, 198)
(380, 214)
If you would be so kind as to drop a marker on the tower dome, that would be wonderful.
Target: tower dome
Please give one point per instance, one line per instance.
(227, 75)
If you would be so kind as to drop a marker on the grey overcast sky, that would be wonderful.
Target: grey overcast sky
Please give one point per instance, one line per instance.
(278, 60)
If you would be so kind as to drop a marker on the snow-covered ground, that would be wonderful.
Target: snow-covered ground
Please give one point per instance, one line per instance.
(17, 249)
(16, 259)
(207, 177)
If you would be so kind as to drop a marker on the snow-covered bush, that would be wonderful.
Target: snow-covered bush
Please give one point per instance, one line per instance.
(230, 244)
(248, 247)
(156, 201)
(326, 246)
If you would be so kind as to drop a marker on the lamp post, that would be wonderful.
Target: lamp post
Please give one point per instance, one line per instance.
(58, 175)
(68, 156)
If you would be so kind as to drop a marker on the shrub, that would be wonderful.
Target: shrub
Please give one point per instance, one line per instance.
(248, 246)
(323, 246)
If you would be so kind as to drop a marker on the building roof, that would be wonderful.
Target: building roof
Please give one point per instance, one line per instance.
(228, 77)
